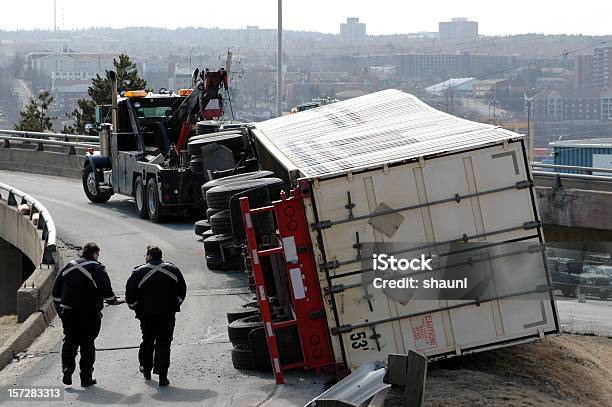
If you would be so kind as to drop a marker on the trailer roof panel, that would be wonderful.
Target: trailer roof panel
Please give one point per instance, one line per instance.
(368, 131)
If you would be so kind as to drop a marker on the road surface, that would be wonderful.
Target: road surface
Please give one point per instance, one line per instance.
(201, 373)
(592, 317)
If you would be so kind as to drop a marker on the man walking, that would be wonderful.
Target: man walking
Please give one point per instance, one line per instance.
(155, 291)
(79, 293)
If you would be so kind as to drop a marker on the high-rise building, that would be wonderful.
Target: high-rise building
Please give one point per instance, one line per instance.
(353, 31)
(584, 71)
(602, 67)
(458, 29)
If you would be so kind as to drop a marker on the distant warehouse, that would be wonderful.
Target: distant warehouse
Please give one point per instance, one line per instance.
(595, 153)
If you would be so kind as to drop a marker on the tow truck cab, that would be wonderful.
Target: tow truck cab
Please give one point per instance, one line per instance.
(136, 157)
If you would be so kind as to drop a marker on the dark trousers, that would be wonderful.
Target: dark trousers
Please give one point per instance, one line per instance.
(81, 328)
(156, 338)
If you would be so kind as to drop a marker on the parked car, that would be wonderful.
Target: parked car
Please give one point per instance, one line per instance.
(597, 282)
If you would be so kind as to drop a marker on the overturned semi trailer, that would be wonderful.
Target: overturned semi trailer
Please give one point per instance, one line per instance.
(386, 172)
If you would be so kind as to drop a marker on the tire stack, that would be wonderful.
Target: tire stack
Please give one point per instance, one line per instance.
(221, 249)
(233, 142)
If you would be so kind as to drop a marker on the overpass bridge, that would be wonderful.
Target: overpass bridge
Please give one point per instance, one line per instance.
(201, 372)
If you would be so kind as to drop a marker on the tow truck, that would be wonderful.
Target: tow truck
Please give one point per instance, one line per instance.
(142, 153)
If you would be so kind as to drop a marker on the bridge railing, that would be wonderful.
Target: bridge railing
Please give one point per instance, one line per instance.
(581, 171)
(14, 198)
(49, 135)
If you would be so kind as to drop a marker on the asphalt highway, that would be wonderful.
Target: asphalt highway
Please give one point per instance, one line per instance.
(201, 373)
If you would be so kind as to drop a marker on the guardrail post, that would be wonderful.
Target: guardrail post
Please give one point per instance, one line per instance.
(6, 143)
(11, 201)
(409, 372)
(40, 147)
(49, 255)
(71, 150)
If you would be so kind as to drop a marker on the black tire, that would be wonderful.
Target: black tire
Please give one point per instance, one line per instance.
(154, 206)
(200, 227)
(221, 224)
(568, 292)
(199, 200)
(239, 329)
(218, 197)
(211, 244)
(91, 188)
(211, 211)
(207, 127)
(140, 197)
(235, 178)
(241, 312)
(234, 141)
(197, 165)
(207, 234)
(242, 358)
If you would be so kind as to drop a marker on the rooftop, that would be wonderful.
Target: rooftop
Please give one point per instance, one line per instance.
(605, 142)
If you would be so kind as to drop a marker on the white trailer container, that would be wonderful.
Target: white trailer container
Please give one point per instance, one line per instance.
(388, 168)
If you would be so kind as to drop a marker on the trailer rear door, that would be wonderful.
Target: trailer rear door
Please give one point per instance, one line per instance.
(481, 195)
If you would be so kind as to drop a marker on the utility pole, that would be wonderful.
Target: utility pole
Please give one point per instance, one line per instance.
(54, 15)
(279, 61)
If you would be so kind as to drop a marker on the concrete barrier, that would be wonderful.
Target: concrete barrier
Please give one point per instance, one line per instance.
(34, 235)
(29, 330)
(56, 162)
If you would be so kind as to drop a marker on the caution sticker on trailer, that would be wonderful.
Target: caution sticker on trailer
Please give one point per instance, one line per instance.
(424, 332)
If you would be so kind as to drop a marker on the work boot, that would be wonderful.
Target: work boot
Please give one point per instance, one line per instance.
(163, 380)
(67, 378)
(146, 373)
(87, 380)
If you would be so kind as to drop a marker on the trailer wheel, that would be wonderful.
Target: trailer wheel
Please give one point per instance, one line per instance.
(241, 312)
(239, 330)
(141, 198)
(221, 223)
(154, 206)
(242, 358)
(218, 197)
(211, 211)
(91, 188)
(212, 243)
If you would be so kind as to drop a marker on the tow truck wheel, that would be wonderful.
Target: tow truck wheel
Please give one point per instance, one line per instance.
(141, 198)
(154, 206)
(91, 188)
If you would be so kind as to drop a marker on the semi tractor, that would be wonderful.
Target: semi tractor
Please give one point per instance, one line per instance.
(142, 152)
(406, 178)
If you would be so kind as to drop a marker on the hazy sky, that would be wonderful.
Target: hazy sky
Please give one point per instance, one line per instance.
(381, 16)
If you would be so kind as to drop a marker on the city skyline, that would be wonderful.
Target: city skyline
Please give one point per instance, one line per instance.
(589, 17)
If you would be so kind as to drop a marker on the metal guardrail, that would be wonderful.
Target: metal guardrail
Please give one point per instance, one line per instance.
(45, 221)
(570, 175)
(571, 168)
(72, 145)
(46, 135)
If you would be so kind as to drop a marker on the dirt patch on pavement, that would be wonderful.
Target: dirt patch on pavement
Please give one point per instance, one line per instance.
(567, 370)
(8, 325)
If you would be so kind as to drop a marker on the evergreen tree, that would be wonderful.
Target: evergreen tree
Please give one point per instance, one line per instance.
(100, 92)
(35, 116)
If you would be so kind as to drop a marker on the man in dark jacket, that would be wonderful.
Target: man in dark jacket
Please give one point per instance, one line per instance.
(155, 291)
(79, 292)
